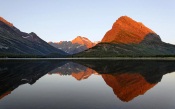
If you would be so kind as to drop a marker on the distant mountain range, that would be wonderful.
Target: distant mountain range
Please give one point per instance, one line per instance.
(77, 45)
(129, 38)
(15, 42)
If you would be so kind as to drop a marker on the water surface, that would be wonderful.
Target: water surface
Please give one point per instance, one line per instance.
(87, 84)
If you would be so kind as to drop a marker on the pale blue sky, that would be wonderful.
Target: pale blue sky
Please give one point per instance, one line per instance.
(56, 20)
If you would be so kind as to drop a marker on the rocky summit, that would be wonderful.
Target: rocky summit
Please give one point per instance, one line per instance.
(77, 45)
(6, 22)
(129, 38)
(126, 30)
(83, 41)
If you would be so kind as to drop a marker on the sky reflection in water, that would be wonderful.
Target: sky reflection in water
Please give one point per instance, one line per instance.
(87, 84)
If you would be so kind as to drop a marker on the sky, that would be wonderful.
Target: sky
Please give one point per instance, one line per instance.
(63, 20)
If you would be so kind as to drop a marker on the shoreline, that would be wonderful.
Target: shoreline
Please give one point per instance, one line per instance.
(110, 58)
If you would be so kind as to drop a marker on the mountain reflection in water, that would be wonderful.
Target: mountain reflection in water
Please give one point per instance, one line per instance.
(16, 73)
(128, 79)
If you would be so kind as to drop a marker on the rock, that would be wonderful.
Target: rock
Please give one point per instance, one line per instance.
(83, 41)
(129, 38)
(126, 30)
(77, 45)
(68, 46)
(13, 42)
(6, 22)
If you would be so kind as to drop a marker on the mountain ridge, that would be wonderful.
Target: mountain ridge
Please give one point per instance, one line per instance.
(126, 30)
(129, 38)
(77, 45)
(6, 22)
(14, 42)
(83, 41)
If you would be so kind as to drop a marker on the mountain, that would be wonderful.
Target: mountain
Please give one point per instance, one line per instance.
(125, 30)
(129, 38)
(77, 45)
(6, 22)
(15, 42)
(83, 41)
(69, 47)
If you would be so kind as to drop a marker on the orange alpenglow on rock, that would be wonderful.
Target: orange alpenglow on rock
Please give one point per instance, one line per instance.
(84, 74)
(83, 41)
(127, 86)
(126, 30)
(6, 22)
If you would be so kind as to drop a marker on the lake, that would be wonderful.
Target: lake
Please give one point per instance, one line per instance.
(87, 84)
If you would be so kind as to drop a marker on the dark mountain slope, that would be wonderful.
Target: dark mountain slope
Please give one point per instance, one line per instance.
(129, 50)
(13, 41)
(69, 47)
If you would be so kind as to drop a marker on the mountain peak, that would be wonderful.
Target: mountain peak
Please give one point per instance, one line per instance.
(81, 38)
(83, 41)
(125, 17)
(126, 30)
(22, 44)
(6, 22)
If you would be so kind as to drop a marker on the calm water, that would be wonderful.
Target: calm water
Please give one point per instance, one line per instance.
(87, 84)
